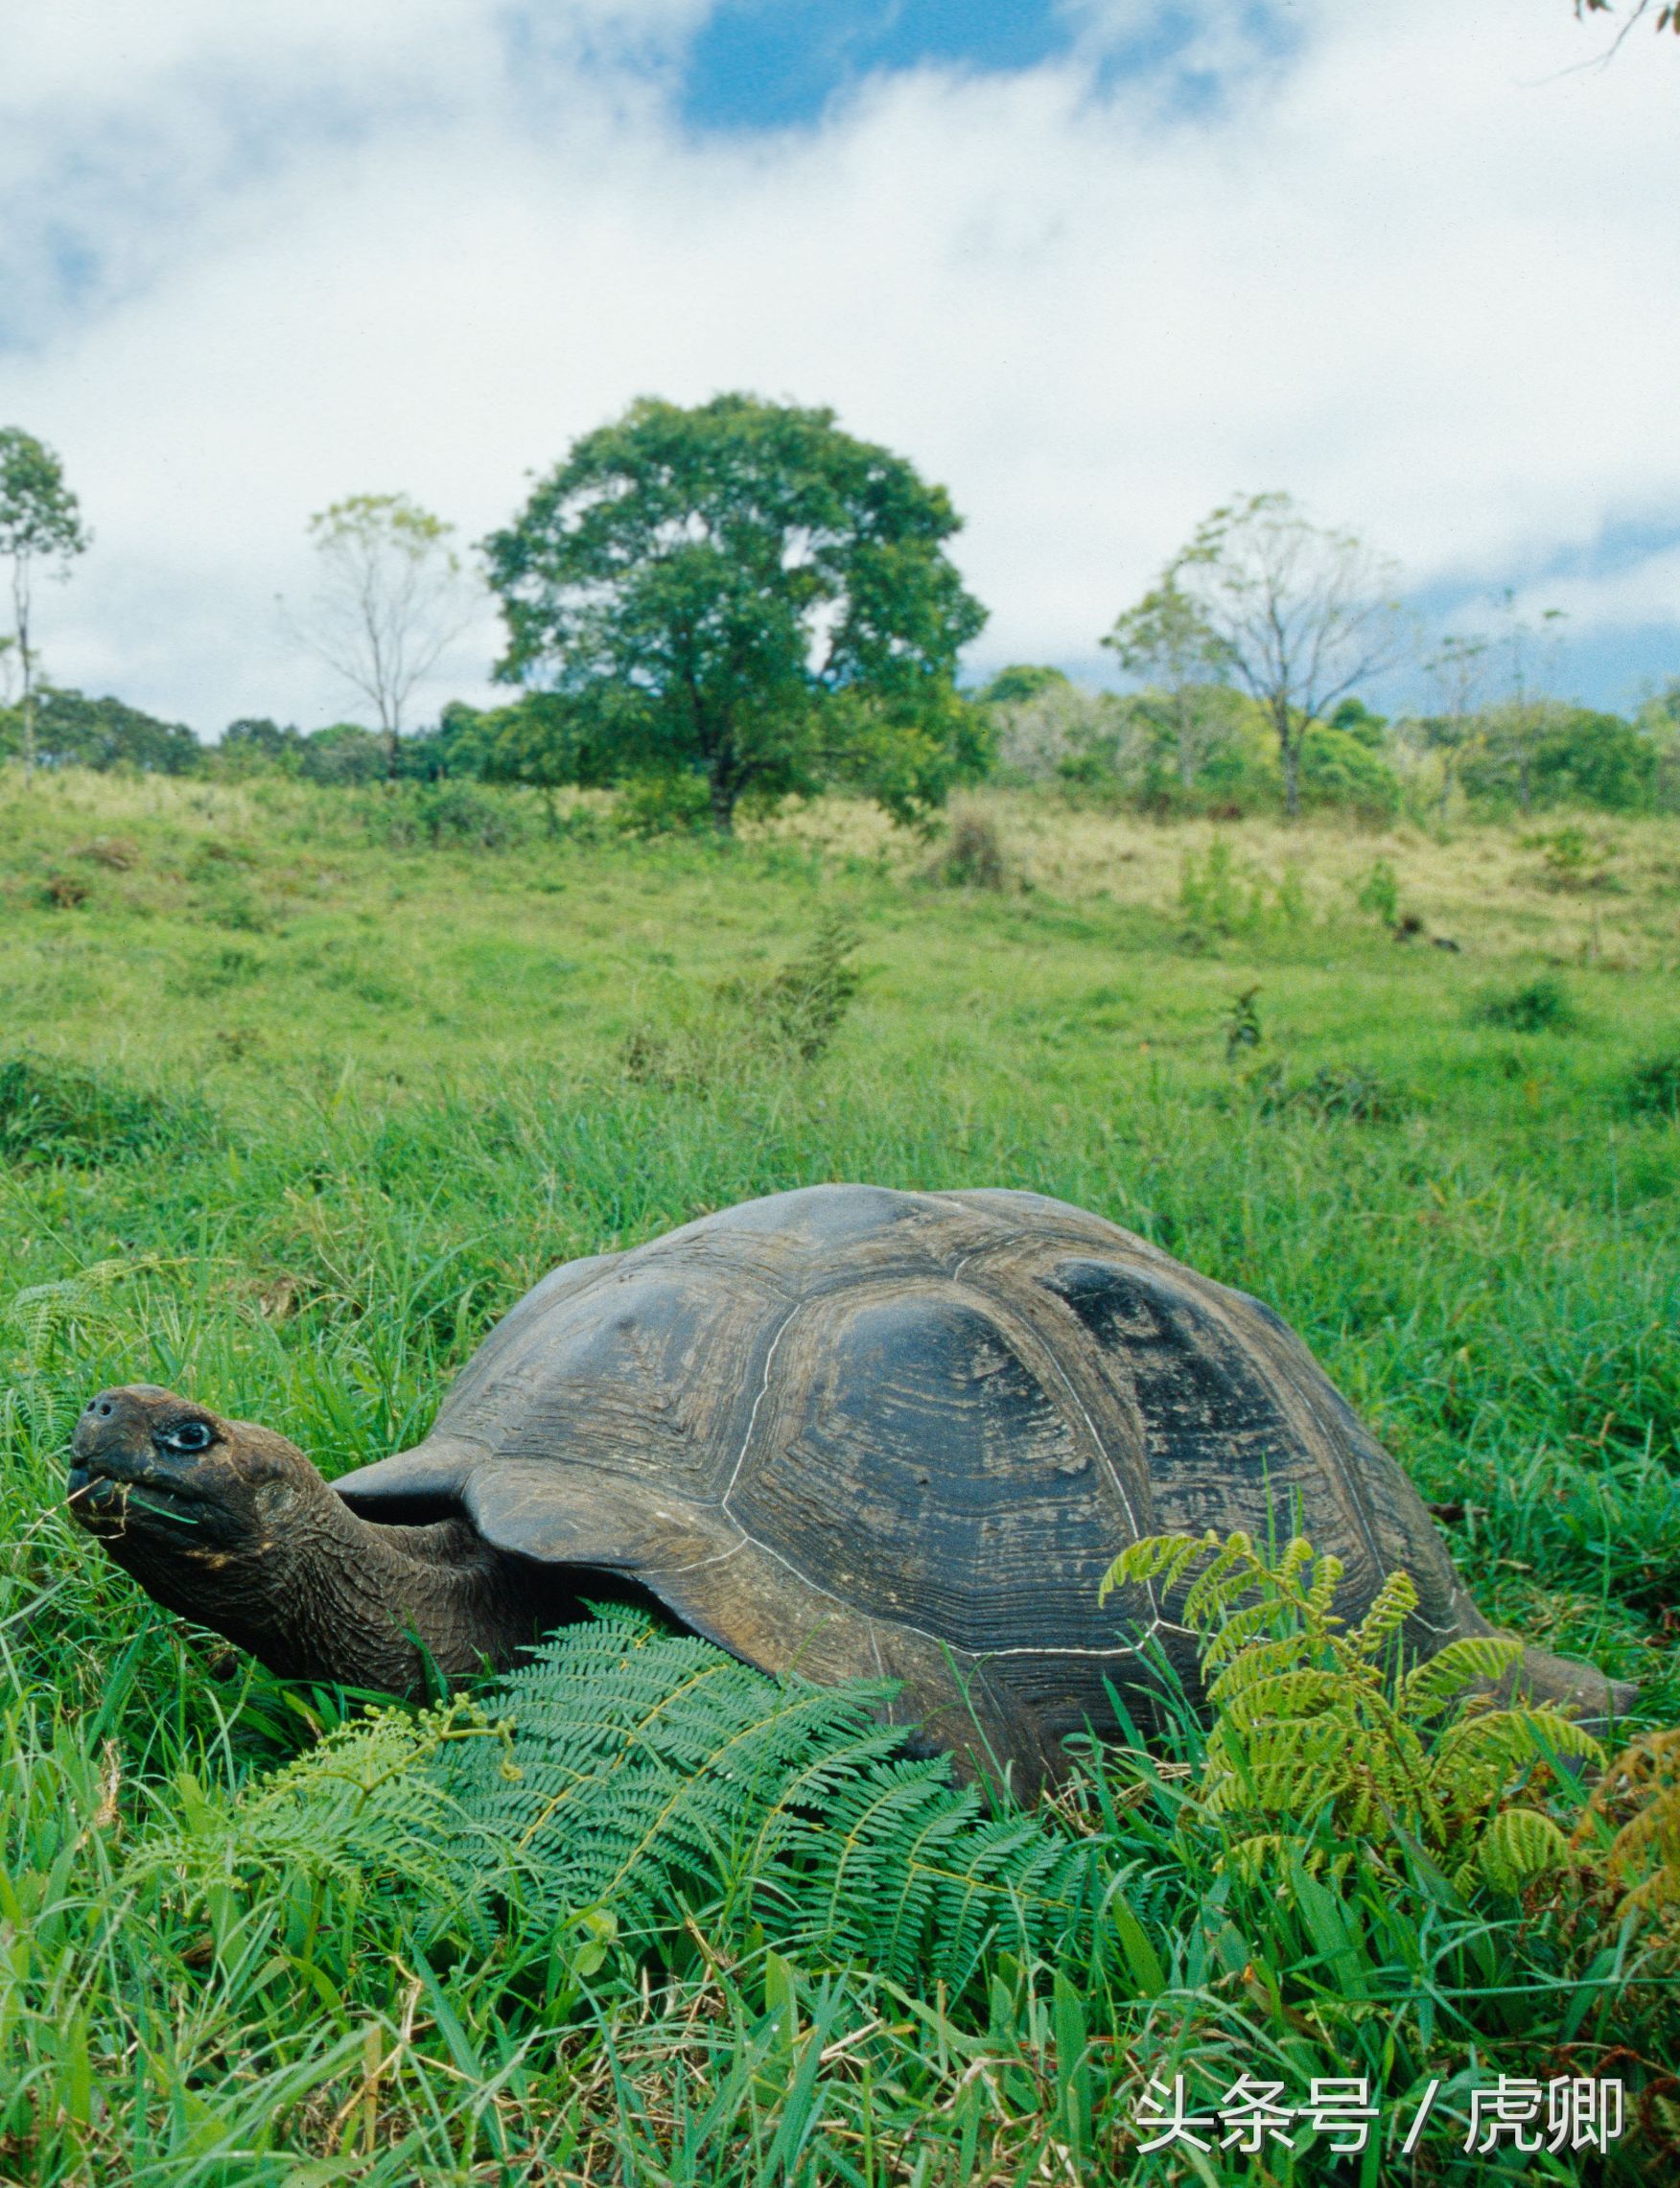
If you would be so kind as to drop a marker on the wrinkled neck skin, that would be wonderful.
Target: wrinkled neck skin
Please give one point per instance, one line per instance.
(333, 1597)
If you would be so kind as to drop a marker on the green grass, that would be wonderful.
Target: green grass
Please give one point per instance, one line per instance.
(291, 1108)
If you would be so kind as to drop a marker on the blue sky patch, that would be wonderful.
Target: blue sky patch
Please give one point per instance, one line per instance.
(777, 63)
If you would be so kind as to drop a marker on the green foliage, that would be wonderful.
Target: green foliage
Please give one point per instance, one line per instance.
(971, 856)
(1378, 894)
(360, 1809)
(1024, 680)
(1221, 895)
(72, 731)
(1538, 1006)
(1243, 1024)
(1333, 1092)
(1341, 771)
(663, 805)
(744, 590)
(444, 815)
(656, 1780)
(1321, 1729)
(1652, 1086)
(53, 1113)
(343, 754)
(747, 1021)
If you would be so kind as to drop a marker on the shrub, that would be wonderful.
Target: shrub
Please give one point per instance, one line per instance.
(118, 852)
(1378, 894)
(790, 1016)
(1243, 1024)
(61, 1112)
(972, 855)
(663, 806)
(1349, 1092)
(1538, 1006)
(442, 815)
(1652, 1087)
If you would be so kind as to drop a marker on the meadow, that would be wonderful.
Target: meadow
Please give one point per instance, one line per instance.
(301, 1088)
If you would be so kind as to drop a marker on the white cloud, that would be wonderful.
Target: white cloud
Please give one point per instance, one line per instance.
(1418, 275)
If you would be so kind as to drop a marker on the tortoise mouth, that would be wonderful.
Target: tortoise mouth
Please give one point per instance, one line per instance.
(109, 1503)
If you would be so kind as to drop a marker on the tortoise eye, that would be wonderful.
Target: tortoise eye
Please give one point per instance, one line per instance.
(190, 1435)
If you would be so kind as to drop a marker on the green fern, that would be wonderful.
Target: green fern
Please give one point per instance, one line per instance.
(663, 1783)
(1315, 1734)
(367, 1805)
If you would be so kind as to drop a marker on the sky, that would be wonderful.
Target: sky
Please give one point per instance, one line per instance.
(1094, 265)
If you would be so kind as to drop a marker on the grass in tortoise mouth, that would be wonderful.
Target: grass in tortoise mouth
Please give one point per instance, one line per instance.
(86, 1487)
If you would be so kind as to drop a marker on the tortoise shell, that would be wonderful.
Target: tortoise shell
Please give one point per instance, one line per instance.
(855, 1433)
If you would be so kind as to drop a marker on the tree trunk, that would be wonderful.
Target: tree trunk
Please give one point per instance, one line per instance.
(20, 599)
(723, 800)
(1289, 751)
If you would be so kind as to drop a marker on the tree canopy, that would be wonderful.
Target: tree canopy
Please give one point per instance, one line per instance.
(41, 523)
(742, 592)
(1299, 614)
(70, 729)
(392, 597)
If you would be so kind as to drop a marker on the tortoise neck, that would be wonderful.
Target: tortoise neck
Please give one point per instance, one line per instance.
(365, 1604)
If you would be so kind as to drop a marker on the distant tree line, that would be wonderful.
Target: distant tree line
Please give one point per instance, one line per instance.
(715, 608)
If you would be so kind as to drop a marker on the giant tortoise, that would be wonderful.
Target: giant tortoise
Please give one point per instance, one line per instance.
(843, 1432)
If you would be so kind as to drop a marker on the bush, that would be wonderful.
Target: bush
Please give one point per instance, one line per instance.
(1350, 1093)
(1652, 1087)
(59, 1112)
(1340, 772)
(443, 815)
(1379, 893)
(972, 855)
(663, 805)
(1539, 1006)
(790, 1016)
(343, 754)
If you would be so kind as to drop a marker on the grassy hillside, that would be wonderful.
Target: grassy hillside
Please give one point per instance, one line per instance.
(300, 1089)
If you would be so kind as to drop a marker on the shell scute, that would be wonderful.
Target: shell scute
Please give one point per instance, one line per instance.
(911, 1459)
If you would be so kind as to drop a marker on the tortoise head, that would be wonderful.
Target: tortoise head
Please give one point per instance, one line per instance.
(228, 1525)
(175, 1492)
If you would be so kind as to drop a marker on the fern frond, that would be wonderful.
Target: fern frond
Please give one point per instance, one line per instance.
(1321, 1593)
(1518, 1847)
(1241, 1628)
(1216, 1590)
(1162, 1558)
(1444, 1677)
(1394, 1602)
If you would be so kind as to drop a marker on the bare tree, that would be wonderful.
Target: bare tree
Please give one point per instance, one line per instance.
(1533, 658)
(1458, 670)
(1168, 643)
(392, 599)
(41, 523)
(1302, 612)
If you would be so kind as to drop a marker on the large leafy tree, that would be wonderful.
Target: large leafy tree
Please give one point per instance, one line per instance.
(40, 529)
(1299, 614)
(743, 591)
